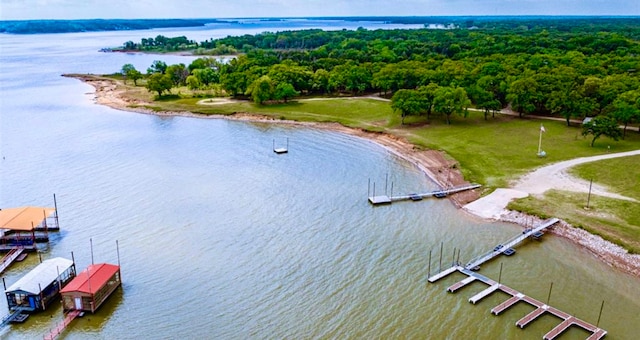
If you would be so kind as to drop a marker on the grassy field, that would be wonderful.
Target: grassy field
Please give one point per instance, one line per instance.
(615, 220)
(492, 152)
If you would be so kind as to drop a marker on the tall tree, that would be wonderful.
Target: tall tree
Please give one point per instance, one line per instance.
(602, 126)
(522, 94)
(449, 100)
(160, 83)
(261, 90)
(627, 109)
(408, 102)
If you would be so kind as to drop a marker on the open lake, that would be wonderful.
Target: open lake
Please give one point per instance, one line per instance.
(220, 238)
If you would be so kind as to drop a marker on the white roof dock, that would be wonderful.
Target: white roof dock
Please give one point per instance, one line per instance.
(41, 276)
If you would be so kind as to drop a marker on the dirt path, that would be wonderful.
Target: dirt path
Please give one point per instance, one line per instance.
(554, 176)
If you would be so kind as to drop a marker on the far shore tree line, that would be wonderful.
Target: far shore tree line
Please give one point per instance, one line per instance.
(544, 71)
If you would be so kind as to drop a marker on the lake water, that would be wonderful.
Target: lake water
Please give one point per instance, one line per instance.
(220, 238)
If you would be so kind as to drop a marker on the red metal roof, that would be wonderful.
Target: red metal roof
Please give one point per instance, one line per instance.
(91, 279)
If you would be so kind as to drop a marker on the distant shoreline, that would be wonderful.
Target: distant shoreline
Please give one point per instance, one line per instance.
(434, 164)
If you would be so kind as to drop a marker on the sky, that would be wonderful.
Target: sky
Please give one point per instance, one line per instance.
(127, 9)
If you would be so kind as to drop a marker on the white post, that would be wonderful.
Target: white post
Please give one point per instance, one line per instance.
(540, 142)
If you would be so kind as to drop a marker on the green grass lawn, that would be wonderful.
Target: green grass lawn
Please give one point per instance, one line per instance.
(492, 152)
(621, 175)
(615, 220)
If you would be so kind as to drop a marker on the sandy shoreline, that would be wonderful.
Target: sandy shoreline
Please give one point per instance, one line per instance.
(432, 163)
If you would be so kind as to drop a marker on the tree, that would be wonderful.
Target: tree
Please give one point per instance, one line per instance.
(449, 100)
(602, 126)
(130, 72)
(522, 94)
(178, 74)
(160, 83)
(427, 95)
(569, 103)
(627, 109)
(285, 91)
(408, 102)
(158, 66)
(261, 90)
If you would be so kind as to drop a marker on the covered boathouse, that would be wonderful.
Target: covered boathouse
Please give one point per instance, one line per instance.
(24, 226)
(35, 291)
(87, 291)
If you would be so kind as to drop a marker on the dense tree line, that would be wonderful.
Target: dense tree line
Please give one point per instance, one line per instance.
(578, 71)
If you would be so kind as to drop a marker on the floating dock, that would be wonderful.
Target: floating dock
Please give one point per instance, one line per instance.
(280, 150)
(503, 247)
(516, 296)
(385, 199)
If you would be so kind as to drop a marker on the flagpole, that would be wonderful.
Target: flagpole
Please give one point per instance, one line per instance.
(540, 142)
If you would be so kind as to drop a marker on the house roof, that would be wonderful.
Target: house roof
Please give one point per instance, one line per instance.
(41, 276)
(23, 218)
(91, 279)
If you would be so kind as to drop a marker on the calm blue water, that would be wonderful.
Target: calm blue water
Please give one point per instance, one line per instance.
(220, 238)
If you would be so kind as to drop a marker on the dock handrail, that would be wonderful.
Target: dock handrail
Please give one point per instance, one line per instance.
(510, 243)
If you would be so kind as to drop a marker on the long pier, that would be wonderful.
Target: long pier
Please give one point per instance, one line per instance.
(516, 297)
(385, 199)
(54, 333)
(476, 262)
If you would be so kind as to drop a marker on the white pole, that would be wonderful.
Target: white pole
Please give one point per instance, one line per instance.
(540, 142)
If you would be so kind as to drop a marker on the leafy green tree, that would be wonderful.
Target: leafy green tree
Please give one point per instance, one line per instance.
(522, 94)
(602, 126)
(158, 82)
(194, 83)
(408, 102)
(261, 90)
(130, 72)
(427, 96)
(285, 91)
(206, 76)
(449, 100)
(158, 66)
(178, 74)
(627, 109)
(321, 81)
(569, 103)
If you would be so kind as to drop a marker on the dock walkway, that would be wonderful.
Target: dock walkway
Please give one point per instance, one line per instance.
(60, 327)
(476, 262)
(8, 259)
(384, 199)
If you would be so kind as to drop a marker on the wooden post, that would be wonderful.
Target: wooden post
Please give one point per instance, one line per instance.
(453, 260)
(589, 195)
(549, 296)
(599, 314)
(91, 244)
(441, 246)
(55, 205)
(428, 273)
(118, 252)
(500, 275)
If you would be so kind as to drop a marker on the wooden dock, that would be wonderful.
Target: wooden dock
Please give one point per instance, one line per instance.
(476, 262)
(60, 327)
(10, 257)
(385, 199)
(516, 297)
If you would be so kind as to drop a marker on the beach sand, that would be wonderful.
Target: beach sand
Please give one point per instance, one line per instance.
(434, 164)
